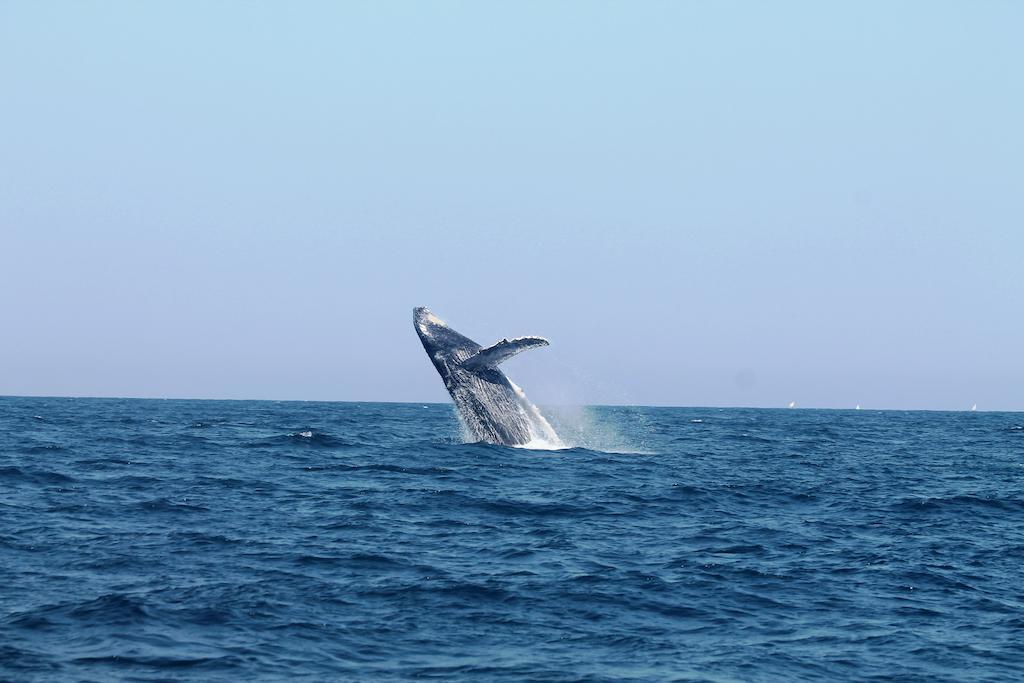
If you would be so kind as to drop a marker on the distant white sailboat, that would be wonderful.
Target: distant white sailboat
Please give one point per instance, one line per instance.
(974, 407)
(858, 407)
(792, 404)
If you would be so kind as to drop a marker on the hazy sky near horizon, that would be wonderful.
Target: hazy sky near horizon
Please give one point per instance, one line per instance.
(697, 203)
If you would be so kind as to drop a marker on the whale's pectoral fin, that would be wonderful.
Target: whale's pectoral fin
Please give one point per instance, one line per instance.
(501, 352)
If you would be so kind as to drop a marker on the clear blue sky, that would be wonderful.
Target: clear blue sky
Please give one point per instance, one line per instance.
(699, 203)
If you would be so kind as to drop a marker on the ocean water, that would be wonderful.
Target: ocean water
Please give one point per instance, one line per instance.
(151, 540)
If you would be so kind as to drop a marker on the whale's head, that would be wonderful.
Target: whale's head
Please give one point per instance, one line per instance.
(426, 322)
(441, 342)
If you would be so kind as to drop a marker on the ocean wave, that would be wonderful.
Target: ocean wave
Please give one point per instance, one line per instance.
(166, 505)
(958, 503)
(301, 437)
(42, 449)
(108, 609)
(35, 475)
(396, 469)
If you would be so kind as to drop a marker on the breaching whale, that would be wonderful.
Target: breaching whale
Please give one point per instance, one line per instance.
(491, 408)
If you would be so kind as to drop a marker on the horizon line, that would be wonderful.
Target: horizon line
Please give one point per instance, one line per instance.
(858, 408)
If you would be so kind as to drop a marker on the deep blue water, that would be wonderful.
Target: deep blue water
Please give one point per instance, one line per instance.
(221, 540)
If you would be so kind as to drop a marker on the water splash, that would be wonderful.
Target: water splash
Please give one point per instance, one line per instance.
(543, 436)
(583, 427)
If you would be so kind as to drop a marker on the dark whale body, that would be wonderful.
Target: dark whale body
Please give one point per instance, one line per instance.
(491, 408)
